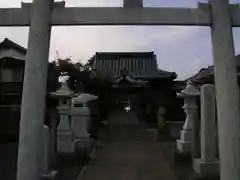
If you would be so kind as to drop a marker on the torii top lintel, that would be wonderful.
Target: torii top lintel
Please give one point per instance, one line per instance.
(130, 14)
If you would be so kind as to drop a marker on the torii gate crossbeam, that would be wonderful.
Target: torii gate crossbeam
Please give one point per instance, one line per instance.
(110, 16)
(91, 16)
(219, 15)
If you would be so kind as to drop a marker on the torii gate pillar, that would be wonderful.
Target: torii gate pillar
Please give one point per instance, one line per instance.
(34, 91)
(227, 91)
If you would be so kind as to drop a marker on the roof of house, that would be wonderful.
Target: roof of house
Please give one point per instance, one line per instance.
(138, 64)
(202, 74)
(7, 43)
(12, 50)
(208, 72)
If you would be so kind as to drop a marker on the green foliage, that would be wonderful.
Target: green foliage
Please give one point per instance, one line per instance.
(81, 77)
(77, 75)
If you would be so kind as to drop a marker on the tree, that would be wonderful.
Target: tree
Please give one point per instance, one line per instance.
(52, 80)
(78, 76)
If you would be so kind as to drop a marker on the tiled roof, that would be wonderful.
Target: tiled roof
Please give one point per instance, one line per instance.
(12, 51)
(7, 43)
(208, 72)
(202, 74)
(138, 64)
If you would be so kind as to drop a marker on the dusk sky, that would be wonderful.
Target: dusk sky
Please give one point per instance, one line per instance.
(183, 50)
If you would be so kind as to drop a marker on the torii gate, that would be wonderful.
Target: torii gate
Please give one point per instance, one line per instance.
(43, 14)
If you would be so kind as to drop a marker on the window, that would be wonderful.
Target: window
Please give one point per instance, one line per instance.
(17, 75)
(6, 75)
(11, 75)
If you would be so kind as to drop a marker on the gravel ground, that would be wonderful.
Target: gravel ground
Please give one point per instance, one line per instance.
(129, 153)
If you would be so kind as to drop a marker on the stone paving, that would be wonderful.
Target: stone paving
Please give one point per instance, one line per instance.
(129, 152)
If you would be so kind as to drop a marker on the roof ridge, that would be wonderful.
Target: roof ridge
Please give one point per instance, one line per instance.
(148, 54)
(12, 43)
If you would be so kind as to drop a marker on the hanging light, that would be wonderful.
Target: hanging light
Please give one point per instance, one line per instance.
(127, 107)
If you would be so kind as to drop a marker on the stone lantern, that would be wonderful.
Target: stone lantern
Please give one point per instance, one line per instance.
(189, 94)
(80, 116)
(64, 133)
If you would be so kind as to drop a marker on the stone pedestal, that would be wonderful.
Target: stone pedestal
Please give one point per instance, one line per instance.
(184, 144)
(206, 169)
(208, 164)
(65, 139)
(80, 118)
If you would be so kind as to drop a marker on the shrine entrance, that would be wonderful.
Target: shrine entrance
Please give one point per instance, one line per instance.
(43, 14)
(135, 83)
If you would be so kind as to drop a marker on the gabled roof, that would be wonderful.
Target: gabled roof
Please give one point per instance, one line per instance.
(138, 64)
(126, 77)
(9, 49)
(7, 44)
(208, 72)
(202, 74)
(130, 79)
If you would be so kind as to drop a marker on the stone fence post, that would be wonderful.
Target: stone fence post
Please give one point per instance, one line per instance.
(184, 144)
(208, 164)
(161, 124)
(80, 125)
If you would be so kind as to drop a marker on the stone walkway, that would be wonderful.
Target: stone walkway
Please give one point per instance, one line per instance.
(129, 153)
